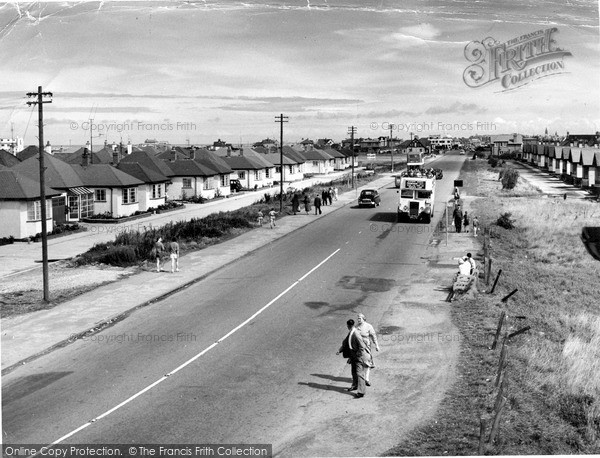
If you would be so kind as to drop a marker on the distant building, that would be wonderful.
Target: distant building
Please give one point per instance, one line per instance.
(12, 145)
(439, 142)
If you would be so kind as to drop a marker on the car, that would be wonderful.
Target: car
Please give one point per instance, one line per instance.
(439, 174)
(235, 185)
(369, 197)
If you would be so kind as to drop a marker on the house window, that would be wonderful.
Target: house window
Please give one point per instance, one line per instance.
(129, 195)
(207, 185)
(224, 180)
(278, 170)
(34, 210)
(291, 168)
(157, 191)
(100, 195)
(257, 175)
(187, 182)
(87, 205)
(268, 173)
(242, 175)
(315, 163)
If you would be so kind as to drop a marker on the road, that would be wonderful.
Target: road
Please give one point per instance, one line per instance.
(275, 379)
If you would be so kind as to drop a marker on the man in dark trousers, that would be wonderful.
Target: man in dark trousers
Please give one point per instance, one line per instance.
(458, 218)
(353, 348)
(317, 205)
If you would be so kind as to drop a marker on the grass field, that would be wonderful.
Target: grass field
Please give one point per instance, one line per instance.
(553, 369)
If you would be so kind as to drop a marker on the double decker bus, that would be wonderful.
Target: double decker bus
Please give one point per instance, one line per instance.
(417, 196)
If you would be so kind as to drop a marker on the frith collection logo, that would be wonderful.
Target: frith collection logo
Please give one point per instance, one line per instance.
(516, 62)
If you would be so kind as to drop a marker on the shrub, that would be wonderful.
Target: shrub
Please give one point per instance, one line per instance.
(510, 177)
(506, 221)
(492, 161)
(7, 240)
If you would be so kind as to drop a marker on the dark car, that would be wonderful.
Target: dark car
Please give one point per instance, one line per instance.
(369, 197)
(439, 174)
(235, 185)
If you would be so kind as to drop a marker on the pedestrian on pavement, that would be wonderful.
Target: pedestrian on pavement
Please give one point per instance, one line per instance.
(158, 252)
(317, 205)
(272, 218)
(174, 252)
(475, 226)
(458, 217)
(353, 348)
(306, 202)
(260, 218)
(367, 332)
(466, 222)
(324, 196)
(335, 193)
(330, 195)
(456, 194)
(295, 203)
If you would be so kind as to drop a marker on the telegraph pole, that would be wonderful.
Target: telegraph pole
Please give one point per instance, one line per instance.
(352, 131)
(40, 102)
(281, 119)
(392, 146)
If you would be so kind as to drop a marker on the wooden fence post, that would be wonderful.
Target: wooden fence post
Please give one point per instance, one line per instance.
(498, 329)
(496, 423)
(505, 298)
(503, 355)
(496, 280)
(482, 427)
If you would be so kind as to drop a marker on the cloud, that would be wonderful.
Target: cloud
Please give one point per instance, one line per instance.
(456, 108)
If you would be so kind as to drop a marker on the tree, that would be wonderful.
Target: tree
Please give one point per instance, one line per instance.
(510, 177)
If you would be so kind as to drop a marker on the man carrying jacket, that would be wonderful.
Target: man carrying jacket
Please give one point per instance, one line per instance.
(353, 348)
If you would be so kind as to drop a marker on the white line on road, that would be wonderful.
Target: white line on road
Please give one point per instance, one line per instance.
(194, 358)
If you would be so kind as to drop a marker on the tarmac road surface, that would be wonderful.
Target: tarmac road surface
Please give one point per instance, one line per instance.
(250, 351)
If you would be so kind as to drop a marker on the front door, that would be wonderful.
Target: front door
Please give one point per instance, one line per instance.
(59, 211)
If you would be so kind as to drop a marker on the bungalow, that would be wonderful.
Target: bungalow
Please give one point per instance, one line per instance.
(340, 160)
(586, 162)
(212, 160)
(74, 201)
(562, 157)
(574, 170)
(115, 192)
(150, 161)
(190, 178)
(291, 168)
(103, 156)
(594, 173)
(20, 205)
(250, 167)
(316, 160)
(297, 156)
(154, 190)
(416, 145)
(29, 151)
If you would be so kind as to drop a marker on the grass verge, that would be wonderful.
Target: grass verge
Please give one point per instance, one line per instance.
(553, 370)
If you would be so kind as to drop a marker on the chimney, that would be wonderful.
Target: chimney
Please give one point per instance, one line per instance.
(85, 157)
(105, 142)
(193, 153)
(241, 150)
(129, 147)
(229, 151)
(116, 157)
(89, 149)
(114, 146)
(48, 148)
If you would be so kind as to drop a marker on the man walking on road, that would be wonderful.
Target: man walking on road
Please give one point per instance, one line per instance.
(157, 252)
(354, 349)
(458, 218)
(318, 205)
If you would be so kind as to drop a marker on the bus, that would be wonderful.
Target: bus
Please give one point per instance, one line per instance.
(417, 196)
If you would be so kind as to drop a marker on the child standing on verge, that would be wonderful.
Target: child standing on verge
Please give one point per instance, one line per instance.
(466, 222)
(260, 218)
(272, 218)
(475, 226)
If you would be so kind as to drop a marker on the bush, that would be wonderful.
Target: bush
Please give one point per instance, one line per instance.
(509, 178)
(506, 221)
(492, 161)
(7, 240)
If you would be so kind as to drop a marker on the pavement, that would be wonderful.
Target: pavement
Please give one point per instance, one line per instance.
(27, 337)
(547, 183)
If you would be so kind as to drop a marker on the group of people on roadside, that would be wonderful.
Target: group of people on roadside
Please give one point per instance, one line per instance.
(466, 265)
(159, 253)
(460, 220)
(327, 196)
(357, 347)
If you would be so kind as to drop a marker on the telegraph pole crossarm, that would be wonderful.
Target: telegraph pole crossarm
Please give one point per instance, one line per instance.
(281, 119)
(40, 102)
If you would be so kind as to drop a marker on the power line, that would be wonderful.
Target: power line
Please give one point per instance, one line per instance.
(281, 119)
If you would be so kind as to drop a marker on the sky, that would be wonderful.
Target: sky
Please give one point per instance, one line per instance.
(194, 72)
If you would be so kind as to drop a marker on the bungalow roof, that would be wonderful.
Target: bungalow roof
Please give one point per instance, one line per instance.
(316, 155)
(59, 174)
(275, 159)
(148, 160)
(141, 172)
(297, 156)
(104, 176)
(17, 186)
(173, 155)
(8, 159)
(596, 158)
(188, 167)
(245, 163)
(211, 160)
(587, 156)
(333, 152)
(29, 151)
(575, 155)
